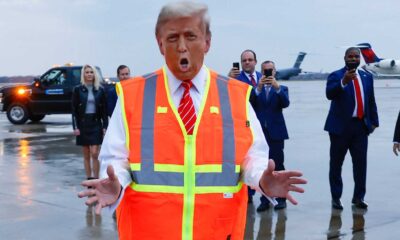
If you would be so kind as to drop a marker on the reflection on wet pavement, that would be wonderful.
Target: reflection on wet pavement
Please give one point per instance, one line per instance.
(335, 224)
(262, 225)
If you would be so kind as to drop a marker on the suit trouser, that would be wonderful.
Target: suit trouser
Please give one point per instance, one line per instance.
(276, 153)
(354, 139)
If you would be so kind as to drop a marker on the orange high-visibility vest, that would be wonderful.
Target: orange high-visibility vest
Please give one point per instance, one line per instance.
(184, 186)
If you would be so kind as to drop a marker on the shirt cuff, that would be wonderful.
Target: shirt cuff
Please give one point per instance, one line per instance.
(272, 200)
(114, 206)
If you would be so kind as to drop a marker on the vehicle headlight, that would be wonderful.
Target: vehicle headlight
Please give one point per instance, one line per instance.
(23, 91)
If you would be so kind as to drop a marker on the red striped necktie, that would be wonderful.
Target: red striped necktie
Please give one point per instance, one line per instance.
(360, 105)
(253, 81)
(186, 108)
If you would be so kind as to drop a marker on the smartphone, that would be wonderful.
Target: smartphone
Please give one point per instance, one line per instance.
(236, 65)
(267, 72)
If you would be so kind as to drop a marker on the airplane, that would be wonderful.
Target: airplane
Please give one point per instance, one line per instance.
(378, 66)
(287, 73)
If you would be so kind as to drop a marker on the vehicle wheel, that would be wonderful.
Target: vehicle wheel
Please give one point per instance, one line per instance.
(36, 118)
(17, 113)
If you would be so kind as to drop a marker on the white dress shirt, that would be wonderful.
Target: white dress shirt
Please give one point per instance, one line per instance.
(113, 150)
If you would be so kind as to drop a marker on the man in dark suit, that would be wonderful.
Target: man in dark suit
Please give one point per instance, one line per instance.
(352, 117)
(268, 100)
(123, 73)
(249, 75)
(396, 137)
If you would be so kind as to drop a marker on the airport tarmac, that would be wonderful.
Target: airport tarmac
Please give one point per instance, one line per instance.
(41, 170)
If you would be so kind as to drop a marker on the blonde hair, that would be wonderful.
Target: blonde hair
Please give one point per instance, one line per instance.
(181, 9)
(96, 81)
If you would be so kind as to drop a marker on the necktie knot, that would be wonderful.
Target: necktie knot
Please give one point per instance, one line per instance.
(253, 81)
(187, 85)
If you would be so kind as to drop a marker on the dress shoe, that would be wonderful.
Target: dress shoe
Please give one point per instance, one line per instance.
(337, 204)
(280, 205)
(263, 207)
(359, 203)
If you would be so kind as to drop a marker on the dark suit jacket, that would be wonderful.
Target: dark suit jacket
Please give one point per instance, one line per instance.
(343, 102)
(396, 137)
(112, 98)
(242, 77)
(269, 111)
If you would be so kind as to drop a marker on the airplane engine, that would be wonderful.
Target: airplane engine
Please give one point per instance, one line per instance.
(386, 63)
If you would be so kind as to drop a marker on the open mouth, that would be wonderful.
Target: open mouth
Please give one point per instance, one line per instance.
(184, 64)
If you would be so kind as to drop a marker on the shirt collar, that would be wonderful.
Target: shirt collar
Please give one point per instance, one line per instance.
(198, 81)
(248, 75)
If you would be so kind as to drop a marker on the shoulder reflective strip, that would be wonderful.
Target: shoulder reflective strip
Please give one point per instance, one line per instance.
(135, 166)
(247, 110)
(162, 109)
(122, 102)
(228, 176)
(168, 168)
(214, 109)
(147, 174)
(156, 188)
(205, 190)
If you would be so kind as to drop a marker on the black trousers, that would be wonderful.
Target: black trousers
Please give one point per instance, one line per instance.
(354, 139)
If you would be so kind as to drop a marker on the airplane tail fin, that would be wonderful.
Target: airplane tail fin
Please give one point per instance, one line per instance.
(367, 53)
(299, 59)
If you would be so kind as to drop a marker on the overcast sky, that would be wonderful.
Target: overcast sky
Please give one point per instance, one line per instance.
(37, 34)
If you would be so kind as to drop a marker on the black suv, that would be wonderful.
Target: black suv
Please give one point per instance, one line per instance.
(49, 94)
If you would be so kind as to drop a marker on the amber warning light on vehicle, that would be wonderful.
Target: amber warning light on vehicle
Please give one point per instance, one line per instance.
(22, 91)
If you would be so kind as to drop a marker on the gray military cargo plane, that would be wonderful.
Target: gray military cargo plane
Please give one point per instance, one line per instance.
(287, 73)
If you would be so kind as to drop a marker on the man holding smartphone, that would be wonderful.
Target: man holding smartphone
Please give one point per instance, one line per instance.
(352, 117)
(249, 74)
(268, 99)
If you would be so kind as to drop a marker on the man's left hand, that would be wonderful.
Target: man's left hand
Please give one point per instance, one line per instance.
(281, 183)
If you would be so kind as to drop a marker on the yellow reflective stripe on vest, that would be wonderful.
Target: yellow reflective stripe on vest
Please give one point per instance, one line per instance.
(122, 104)
(205, 168)
(179, 190)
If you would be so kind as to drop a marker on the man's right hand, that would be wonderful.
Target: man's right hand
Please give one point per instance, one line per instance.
(349, 76)
(103, 191)
(234, 73)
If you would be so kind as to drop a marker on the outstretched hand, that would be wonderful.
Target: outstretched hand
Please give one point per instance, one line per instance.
(281, 183)
(103, 191)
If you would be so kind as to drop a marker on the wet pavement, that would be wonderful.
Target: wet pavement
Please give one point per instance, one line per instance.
(41, 168)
